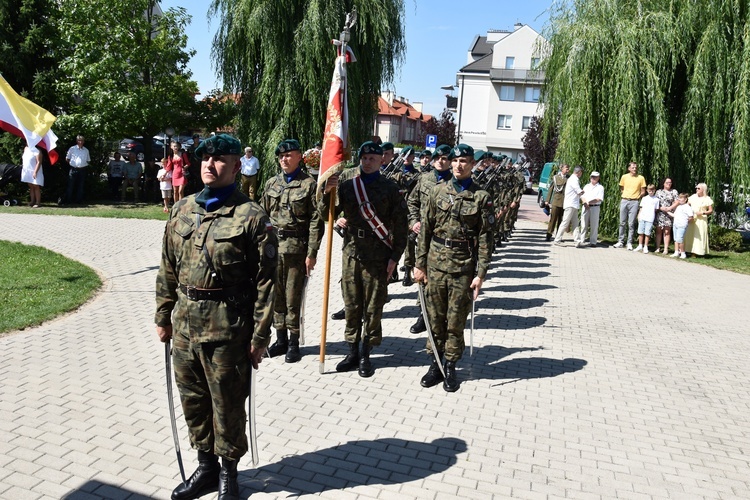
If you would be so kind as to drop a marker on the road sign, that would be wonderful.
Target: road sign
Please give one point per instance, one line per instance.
(430, 141)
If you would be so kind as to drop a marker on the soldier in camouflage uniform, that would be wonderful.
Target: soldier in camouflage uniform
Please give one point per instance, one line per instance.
(452, 259)
(214, 298)
(289, 199)
(367, 259)
(425, 161)
(406, 179)
(417, 203)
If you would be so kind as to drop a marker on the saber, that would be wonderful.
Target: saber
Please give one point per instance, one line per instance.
(471, 332)
(170, 397)
(420, 291)
(302, 312)
(252, 437)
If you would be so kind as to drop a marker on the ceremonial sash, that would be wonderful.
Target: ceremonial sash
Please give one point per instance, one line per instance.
(367, 211)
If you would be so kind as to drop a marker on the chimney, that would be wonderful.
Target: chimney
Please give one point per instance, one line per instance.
(517, 26)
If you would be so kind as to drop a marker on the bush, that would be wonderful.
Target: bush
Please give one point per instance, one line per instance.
(725, 239)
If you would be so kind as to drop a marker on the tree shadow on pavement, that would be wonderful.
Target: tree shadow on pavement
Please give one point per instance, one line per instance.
(94, 489)
(529, 287)
(377, 462)
(502, 322)
(512, 273)
(522, 263)
(490, 304)
(514, 370)
(529, 251)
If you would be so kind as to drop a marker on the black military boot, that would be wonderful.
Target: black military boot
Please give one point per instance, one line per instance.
(228, 487)
(433, 376)
(292, 353)
(351, 360)
(394, 277)
(419, 326)
(407, 277)
(204, 480)
(280, 346)
(365, 367)
(450, 384)
(339, 314)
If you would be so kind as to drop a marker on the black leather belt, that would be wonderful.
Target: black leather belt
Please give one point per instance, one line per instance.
(448, 243)
(361, 233)
(193, 293)
(631, 199)
(291, 233)
(592, 205)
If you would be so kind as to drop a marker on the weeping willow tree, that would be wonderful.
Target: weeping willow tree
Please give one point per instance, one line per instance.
(278, 55)
(664, 83)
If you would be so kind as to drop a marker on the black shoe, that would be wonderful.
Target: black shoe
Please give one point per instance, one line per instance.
(433, 376)
(292, 353)
(407, 277)
(365, 367)
(204, 480)
(548, 238)
(419, 326)
(280, 346)
(351, 360)
(339, 314)
(450, 384)
(228, 487)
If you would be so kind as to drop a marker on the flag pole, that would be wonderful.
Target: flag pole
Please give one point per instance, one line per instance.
(332, 168)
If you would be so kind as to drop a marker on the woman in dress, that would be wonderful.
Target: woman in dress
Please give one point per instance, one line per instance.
(696, 237)
(667, 203)
(33, 175)
(177, 162)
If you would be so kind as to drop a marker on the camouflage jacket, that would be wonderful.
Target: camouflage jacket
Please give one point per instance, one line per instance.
(406, 180)
(241, 243)
(293, 207)
(417, 200)
(452, 215)
(520, 185)
(360, 242)
(556, 190)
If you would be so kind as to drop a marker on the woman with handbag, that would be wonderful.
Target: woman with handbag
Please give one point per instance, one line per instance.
(178, 163)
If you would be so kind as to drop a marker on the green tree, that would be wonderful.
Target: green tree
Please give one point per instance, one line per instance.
(444, 128)
(27, 63)
(126, 69)
(277, 54)
(665, 83)
(537, 147)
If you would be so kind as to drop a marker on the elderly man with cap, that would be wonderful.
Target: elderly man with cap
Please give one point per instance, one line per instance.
(249, 173)
(571, 204)
(289, 199)
(406, 179)
(593, 195)
(214, 300)
(374, 217)
(417, 202)
(454, 253)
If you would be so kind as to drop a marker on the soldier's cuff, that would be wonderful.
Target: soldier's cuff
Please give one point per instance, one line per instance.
(260, 343)
(162, 319)
(481, 273)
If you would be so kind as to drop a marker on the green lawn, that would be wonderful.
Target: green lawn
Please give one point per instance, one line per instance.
(37, 285)
(112, 210)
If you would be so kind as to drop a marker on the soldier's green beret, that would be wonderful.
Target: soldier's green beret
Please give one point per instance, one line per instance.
(387, 146)
(478, 154)
(426, 152)
(370, 148)
(462, 150)
(221, 144)
(442, 150)
(407, 151)
(287, 145)
(497, 157)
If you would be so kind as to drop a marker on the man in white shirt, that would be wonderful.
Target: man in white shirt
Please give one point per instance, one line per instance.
(78, 158)
(593, 195)
(572, 201)
(249, 173)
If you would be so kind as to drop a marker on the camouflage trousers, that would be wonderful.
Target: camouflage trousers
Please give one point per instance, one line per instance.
(410, 254)
(364, 286)
(448, 299)
(212, 378)
(290, 278)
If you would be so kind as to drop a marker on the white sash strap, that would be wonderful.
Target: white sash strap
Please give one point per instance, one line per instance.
(367, 211)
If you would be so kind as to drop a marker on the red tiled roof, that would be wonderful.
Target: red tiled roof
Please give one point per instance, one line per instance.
(400, 108)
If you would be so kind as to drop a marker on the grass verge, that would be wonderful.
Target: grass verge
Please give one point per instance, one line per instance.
(112, 210)
(37, 284)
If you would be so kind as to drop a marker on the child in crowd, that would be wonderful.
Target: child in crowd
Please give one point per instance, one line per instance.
(646, 215)
(682, 216)
(165, 185)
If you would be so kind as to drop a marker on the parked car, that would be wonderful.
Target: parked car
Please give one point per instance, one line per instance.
(135, 145)
(527, 181)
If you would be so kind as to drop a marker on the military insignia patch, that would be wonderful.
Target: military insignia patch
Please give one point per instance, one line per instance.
(270, 251)
(491, 219)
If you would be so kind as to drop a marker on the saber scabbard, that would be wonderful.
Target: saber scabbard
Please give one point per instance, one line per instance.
(170, 398)
(252, 437)
(430, 337)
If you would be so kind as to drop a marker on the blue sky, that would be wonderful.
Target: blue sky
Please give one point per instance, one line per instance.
(438, 35)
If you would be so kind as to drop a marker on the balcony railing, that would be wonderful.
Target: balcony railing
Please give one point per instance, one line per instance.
(517, 75)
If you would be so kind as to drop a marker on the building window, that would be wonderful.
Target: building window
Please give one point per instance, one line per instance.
(507, 93)
(535, 62)
(532, 94)
(510, 62)
(504, 121)
(526, 123)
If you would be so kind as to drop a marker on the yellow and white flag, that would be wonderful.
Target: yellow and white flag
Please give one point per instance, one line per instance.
(23, 118)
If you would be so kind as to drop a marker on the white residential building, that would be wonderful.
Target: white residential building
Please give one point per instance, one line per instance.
(499, 90)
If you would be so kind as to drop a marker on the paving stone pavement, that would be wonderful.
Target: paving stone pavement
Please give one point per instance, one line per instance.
(597, 373)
